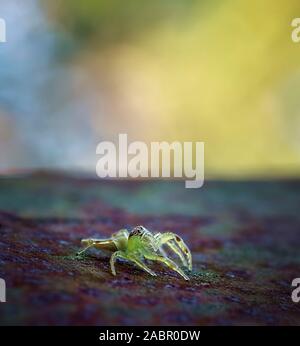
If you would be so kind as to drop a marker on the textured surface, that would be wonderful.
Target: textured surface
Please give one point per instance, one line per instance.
(244, 237)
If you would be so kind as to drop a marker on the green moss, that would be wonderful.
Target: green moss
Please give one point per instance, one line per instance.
(206, 276)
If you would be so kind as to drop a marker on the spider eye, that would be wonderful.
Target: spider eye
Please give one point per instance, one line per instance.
(137, 231)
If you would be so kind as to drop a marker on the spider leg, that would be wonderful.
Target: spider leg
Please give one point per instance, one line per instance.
(89, 244)
(132, 258)
(167, 261)
(157, 237)
(102, 244)
(141, 264)
(173, 246)
(163, 252)
(165, 238)
(82, 251)
(114, 256)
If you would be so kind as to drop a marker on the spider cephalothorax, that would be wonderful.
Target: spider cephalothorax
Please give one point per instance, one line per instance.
(140, 244)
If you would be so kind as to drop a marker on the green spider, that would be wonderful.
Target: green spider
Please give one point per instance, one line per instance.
(141, 244)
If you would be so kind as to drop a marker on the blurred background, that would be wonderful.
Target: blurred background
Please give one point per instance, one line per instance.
(73, 73)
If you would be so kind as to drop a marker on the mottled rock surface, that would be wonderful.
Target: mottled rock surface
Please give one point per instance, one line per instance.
(244, 237)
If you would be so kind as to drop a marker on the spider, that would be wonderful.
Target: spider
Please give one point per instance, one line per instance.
(141, 244)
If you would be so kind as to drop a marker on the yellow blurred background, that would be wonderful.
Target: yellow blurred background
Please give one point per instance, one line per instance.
(223, 72)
